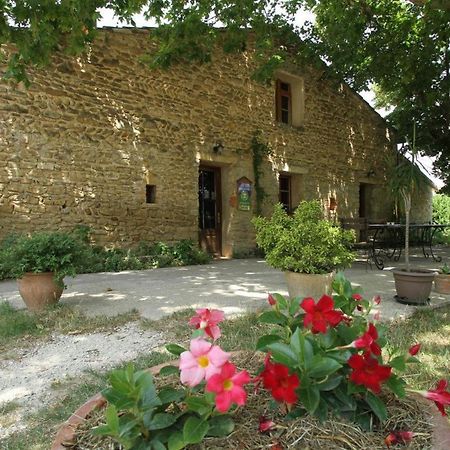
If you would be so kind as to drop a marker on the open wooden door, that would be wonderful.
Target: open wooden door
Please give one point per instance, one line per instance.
(210, 210)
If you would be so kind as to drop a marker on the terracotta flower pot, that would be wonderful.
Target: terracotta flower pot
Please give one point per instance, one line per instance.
(442, 283)
(66, 434)
(309, 285)
(39, 290)
(413, 288)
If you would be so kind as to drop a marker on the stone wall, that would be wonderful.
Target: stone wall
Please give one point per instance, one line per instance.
(80, 145)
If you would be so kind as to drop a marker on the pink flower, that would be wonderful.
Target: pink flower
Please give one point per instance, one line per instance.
(228, 387)
(377, 316)
(357, 297)
(440, 396)
(414, 349)
(271, 300)
(265, 424)
(207, 320)
(201, 362)
(377, 299)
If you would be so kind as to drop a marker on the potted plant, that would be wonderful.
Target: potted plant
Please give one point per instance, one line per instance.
(442, 280)
(305, 246)
(413, 286)
(40, 262)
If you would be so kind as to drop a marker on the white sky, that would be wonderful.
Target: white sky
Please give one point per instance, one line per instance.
(108, 20)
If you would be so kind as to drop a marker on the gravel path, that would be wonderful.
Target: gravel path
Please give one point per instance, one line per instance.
(28, 381)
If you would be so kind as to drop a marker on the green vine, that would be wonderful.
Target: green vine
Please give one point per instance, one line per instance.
(260, 150)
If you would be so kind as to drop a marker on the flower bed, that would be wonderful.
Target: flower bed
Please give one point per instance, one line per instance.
(325, 377)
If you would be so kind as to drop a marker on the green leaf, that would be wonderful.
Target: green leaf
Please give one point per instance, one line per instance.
(197, 333)
(310, 398)
(322, 410)
(157, 445)
(398, 363)
(283, 354)
(169, 370)
(175, 349)
(274, 317)
(220, 426)
(112, 419)
(169, 395)
(396, 385)
(323, 366)
(176, 441)
(348, 401)
(330, 383)
(377, 406)
(266, 340)
(302, 348)
(294, 305)
(281, 301)
(194, 430)
(160, 421)
(199, 405)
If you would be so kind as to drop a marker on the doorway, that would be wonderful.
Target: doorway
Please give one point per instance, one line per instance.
(210, 209)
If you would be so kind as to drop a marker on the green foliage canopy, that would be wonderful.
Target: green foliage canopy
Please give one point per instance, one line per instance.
(402, 47)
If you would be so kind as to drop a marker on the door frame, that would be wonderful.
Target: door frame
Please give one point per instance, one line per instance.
(217, 170)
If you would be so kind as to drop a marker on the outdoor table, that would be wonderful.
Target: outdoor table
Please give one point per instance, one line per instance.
(388, 240)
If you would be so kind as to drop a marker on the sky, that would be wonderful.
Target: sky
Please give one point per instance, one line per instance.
(108, 20)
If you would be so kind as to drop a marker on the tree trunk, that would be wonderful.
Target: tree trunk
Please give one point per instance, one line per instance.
(407, 199)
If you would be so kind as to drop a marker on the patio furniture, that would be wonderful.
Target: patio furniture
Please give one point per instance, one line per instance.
(388, 240)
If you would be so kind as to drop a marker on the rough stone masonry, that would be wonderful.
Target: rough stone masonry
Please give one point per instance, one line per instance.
(83, 142)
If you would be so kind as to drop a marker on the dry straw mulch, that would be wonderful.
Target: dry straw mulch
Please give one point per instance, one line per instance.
(305, 433)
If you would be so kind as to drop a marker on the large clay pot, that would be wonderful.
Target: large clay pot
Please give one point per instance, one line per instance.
(39, 290)
(413, 288)
(442, 283)
(309, 285)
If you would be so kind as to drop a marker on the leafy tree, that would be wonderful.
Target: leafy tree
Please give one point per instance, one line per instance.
(400, 46)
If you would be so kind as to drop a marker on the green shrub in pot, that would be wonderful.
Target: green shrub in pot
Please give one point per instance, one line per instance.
(57, 252)
(304, 242)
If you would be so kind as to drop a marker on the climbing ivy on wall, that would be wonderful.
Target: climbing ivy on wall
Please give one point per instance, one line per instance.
(260, 151)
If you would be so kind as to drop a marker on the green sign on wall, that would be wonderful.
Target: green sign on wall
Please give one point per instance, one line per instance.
(244, 189)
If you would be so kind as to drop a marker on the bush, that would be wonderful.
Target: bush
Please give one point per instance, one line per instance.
(441, 214)
(304, 242)
(56, 252)
(48, 248)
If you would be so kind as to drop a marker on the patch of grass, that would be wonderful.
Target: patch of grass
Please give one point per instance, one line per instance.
(431, 328)
(22, 328)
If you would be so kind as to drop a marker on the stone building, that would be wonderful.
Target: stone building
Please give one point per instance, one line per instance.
(140, 154)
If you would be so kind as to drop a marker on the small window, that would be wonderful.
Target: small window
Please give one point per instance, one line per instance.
(150, 193)
(284, 102)
(284, 195)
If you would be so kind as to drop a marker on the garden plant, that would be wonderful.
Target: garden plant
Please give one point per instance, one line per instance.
(324, 357)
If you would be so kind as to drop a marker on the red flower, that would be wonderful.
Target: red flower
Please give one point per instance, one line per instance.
(414, 349)
(368, 372)
(368, 341)
(358, 298)
(398, 437)
(440, 396)
(207, 320)
(276, 378)
(321, 314)
(265, 424)
(271, 300)
(228, 386)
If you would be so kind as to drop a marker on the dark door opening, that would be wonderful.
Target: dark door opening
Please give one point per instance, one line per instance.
(210, 210)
